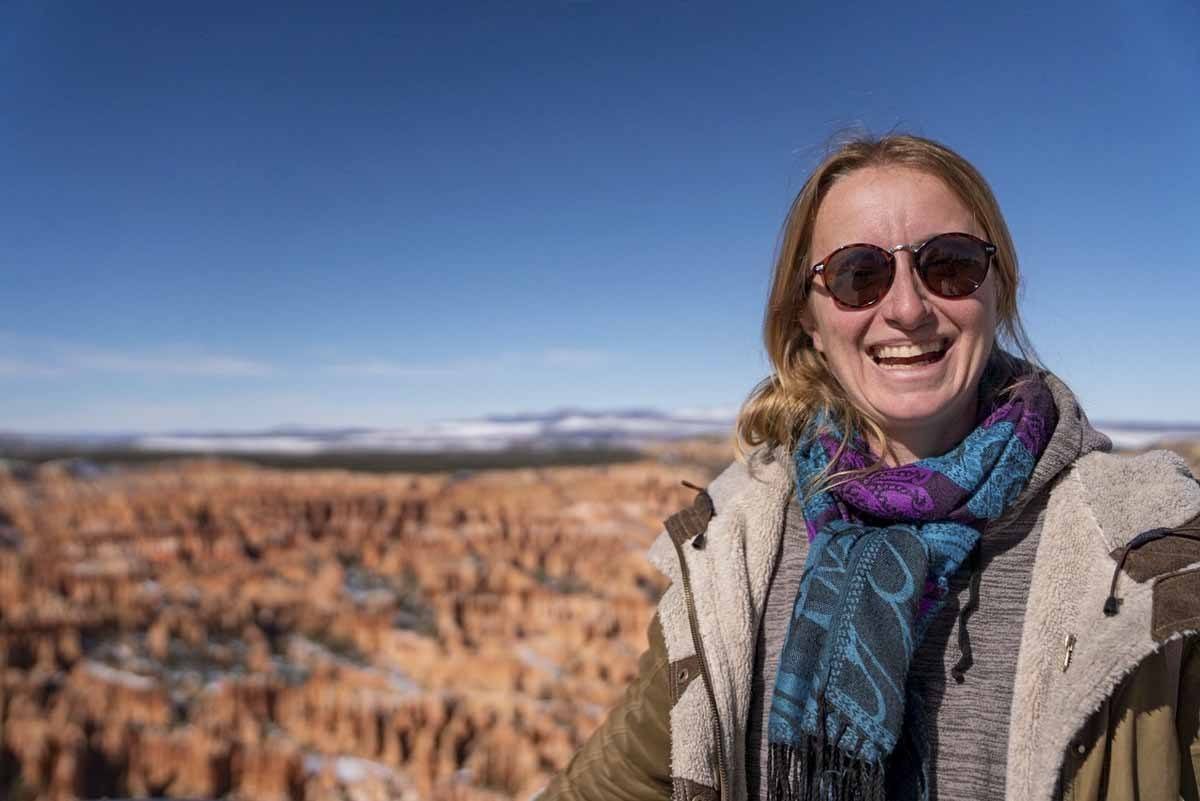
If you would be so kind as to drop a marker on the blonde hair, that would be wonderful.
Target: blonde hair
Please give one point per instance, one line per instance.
(801, 386)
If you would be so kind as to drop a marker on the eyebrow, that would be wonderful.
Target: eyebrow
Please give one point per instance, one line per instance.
(918, 241)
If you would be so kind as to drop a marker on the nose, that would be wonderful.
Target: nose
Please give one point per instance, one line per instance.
(906, 304)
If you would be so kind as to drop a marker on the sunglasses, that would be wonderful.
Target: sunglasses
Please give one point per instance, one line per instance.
(950, 266)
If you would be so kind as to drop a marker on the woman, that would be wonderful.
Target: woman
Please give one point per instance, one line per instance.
(927, 580)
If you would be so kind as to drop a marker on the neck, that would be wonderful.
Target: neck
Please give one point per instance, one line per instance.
(907, 444)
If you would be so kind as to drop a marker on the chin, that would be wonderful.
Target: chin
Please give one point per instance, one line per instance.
(918, 412)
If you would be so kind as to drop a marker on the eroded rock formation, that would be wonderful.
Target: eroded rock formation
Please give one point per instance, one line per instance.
(207, 629)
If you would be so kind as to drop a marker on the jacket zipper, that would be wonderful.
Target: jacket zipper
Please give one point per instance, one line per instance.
(693, 622)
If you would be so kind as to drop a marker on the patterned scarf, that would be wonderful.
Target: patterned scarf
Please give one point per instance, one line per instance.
(882, 551)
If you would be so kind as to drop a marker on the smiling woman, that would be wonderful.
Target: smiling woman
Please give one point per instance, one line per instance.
(927, 578)
(864, 202)
(911, 359)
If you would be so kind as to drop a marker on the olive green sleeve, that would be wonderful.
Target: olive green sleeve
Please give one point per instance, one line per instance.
(1187, 718)
(628, 757)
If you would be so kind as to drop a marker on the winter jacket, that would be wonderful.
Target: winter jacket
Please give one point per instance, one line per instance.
(1106, 701)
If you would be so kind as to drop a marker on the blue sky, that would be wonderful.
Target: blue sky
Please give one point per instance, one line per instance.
(242, 215)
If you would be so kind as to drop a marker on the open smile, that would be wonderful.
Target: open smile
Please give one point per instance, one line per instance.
(909, 355)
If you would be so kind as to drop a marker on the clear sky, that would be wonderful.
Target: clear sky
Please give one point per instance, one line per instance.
(233, 215)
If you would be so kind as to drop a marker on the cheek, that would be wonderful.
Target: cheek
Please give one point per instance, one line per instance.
(989, 314)
(983, 323)
(838, 335)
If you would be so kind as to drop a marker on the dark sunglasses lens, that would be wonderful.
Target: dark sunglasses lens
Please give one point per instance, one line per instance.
(953, 265)
(858, 276)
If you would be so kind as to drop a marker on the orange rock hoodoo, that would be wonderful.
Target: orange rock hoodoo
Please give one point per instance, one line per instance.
(207, 629)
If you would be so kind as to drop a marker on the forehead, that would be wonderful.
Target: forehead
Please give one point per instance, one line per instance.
(889, 206)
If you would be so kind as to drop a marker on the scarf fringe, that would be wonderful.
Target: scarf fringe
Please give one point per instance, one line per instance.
(820, 771)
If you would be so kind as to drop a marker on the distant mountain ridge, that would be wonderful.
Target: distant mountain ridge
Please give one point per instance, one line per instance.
(559, 428)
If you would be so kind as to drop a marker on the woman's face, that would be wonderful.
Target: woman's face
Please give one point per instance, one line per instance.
(933, 400)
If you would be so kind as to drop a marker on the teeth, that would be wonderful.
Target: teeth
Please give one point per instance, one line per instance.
(906, 351)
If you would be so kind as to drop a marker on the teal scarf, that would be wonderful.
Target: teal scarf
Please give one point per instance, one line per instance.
(882, 551)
